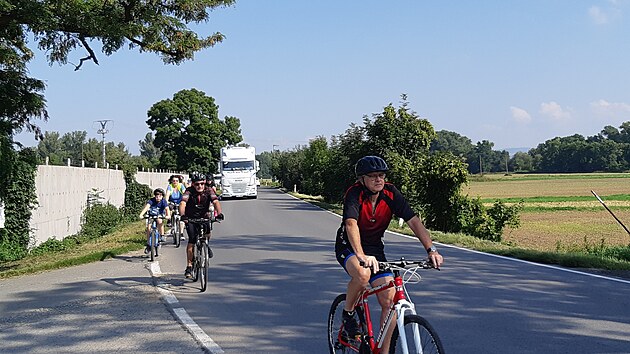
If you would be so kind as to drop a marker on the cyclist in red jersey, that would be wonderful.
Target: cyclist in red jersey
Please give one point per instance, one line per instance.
(195, 204)
(368, 208)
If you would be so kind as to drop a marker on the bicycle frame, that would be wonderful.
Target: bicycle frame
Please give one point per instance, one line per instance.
(401, 306)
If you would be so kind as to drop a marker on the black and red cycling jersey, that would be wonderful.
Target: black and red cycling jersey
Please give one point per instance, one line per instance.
(198, 204)
(372, 220)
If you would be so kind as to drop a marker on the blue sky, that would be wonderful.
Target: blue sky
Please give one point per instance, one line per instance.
(515, 73)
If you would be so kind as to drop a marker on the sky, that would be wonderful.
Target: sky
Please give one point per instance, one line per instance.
(516, 73)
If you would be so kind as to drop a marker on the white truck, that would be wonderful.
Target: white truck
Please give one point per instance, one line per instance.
(238, 167)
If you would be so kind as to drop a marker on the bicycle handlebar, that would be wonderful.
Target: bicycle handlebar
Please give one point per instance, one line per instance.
(201, 220)
(155, 217)
(403, 263)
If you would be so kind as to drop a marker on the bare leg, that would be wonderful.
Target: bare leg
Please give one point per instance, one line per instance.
(385, 299)
(360, 277)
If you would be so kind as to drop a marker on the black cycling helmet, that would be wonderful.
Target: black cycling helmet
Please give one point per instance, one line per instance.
(368, 164)
(159, 190)
(196, 177)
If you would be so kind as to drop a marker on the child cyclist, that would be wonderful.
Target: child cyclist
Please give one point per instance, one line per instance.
(155, 206)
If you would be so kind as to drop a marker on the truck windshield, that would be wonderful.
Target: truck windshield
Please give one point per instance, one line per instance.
(238, 165)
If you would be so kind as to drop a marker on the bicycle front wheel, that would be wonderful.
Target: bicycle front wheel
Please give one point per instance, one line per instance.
(203, 269)
(152, 246)
(196, 262)
(420, 335)
(177, 235)
(335, 320)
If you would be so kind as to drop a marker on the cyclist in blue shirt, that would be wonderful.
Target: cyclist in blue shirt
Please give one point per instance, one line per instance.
(155, 206)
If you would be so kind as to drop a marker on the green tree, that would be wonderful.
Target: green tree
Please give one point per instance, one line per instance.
(317, 157)
(522, 162)
(50, 147)
(266, 161)
(72, 143)
(189, 132)
(149, 151)
(115, 154)
(455, 143)
(59, 27)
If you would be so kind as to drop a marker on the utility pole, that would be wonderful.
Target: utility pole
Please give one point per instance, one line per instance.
(103, 131)
(480, 166)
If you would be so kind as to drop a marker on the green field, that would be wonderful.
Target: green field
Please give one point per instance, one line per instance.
(560, 212)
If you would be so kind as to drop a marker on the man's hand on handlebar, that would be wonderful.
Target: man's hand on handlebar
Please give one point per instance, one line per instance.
(436, 259)
(220, 217)
(369, 262)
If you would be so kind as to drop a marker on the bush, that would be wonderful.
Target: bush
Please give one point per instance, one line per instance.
(472, 218)
(99, 220)
(11, 251)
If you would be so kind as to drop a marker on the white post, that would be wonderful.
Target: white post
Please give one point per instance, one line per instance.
(47, 160)
(68, 162)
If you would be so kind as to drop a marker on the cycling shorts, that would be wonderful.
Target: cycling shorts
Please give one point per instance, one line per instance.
(343, 255)
(193, 228)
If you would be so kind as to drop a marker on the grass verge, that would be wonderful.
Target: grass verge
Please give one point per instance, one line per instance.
(126, 238)
(573, 259)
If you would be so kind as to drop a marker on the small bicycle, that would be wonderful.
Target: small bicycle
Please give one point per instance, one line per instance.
(176, 230)
(201, 251)
(412, 334)
(154, 236)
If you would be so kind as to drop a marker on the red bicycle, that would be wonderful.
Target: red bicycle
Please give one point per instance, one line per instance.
(413, 333)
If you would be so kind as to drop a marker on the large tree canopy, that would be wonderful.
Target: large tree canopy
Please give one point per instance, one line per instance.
(189, 133)
(60, 26)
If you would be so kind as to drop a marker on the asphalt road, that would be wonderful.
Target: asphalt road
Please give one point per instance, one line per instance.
(273, 278)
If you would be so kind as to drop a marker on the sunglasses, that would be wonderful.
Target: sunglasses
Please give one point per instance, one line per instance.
(199, 184)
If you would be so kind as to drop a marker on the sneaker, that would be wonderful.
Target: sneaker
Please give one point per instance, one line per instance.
(188, 272)
(147, 250)
(350, 325)
(210, 254)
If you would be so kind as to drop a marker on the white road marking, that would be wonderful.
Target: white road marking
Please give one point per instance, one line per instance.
(182, 316)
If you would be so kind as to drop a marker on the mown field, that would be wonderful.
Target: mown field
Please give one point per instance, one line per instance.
(560, 212)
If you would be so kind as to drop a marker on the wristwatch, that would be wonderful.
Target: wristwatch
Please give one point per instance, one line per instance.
(431, 249)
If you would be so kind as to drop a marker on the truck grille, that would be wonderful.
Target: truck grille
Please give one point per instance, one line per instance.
(239, 187)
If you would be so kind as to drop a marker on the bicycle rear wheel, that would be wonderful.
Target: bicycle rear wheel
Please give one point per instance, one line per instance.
(203, 269)
(428, 341)
(335, 320)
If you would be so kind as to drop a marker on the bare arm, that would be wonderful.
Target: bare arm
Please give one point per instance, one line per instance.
(354, 236)
(422, 234)
(146, 208)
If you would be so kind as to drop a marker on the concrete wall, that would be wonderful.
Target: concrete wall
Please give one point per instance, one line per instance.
(154, 179)
(62, 194)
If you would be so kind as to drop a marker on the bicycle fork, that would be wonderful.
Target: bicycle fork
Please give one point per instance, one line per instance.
(403, 308)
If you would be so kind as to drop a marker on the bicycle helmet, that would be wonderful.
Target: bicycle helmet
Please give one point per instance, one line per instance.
(196, 177)
(159, 190)
(368, 164)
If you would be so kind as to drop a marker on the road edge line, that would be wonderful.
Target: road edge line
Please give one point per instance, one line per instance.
(206, 342)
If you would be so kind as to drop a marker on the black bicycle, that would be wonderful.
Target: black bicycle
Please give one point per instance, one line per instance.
(201, 251)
